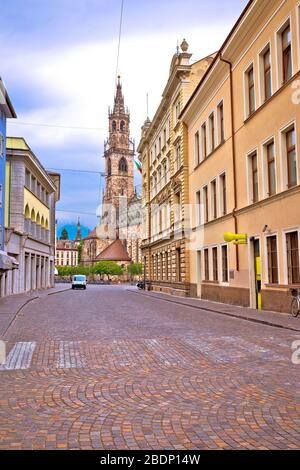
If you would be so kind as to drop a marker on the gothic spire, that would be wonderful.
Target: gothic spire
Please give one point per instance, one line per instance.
(78, 234)
(119, 107)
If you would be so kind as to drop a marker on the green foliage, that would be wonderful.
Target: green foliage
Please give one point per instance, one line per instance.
(108, 267)
(135, 269)
(79, 251)
(71, 270)
(64, 234)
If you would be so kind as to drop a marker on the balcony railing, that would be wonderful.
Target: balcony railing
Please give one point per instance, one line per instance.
(36, 231)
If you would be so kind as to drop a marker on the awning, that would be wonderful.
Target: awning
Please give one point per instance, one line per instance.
(7, 262)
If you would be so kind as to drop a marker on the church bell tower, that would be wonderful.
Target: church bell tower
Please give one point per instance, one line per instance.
(118, 154)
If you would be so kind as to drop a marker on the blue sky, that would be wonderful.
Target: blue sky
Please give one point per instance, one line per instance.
(58, 60)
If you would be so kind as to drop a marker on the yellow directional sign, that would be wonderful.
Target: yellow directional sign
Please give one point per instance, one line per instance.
(236, 238)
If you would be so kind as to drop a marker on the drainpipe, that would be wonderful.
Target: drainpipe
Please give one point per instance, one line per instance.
(233, 159)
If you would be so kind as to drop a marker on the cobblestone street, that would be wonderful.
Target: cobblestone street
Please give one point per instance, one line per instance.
(110, 368)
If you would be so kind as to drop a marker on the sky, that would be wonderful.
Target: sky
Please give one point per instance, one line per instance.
(58, 60)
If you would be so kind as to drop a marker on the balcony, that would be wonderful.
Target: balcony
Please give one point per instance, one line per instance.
(36, 231)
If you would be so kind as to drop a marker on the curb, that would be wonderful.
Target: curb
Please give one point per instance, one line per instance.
(220, 312)
(59, 291)
(17, 313)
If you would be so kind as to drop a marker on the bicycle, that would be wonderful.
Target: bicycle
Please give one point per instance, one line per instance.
(295, 304)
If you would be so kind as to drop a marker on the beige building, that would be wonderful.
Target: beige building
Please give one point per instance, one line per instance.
(66, 251)
(163, 154)
(244, 170)
(30, 199)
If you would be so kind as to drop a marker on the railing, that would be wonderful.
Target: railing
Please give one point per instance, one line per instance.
(36, 231)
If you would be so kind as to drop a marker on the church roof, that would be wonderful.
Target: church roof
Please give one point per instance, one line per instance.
(116, 251)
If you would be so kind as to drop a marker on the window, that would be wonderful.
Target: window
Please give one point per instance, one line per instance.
(213, 188)
(178, 157)
(123, 165)
(205, 202)
(198, 207)
(271, 171)
(286, 54)
(254, 176)
(223, 194)
(27, 179)
(206, 265)
(177, 111)
(272, 259)
(203, 141)
(215, 263)
(178, 264)
(212, 131)
(165, 136)
(224, 263)
(108, 167)
(159, 144)
(2, 145)
(291, 157)
(197, 149)
(251, 90)
(221, 122)
(114, 126)
(267, 74)
(292, 251)
(122, 126)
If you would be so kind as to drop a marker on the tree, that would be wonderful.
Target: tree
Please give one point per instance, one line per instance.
(135, 269)
(79, 251)
(110, 268)
(64, 234)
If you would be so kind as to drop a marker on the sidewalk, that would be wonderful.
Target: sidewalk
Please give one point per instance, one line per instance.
(279, 320)
(10, 306)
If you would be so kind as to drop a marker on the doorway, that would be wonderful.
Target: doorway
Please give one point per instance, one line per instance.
(257, 273)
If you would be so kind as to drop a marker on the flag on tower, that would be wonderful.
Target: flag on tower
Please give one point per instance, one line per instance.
(139, 166)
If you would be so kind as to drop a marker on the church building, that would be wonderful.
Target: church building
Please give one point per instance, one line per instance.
(117, 237)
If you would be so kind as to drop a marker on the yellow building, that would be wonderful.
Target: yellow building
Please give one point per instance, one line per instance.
(163, 153)
(30, 200)
(243, 164)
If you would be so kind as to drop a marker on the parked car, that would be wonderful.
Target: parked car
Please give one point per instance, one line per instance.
(79, 281)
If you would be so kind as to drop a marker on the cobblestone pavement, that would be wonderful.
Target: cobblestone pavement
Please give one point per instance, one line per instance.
(107, 368)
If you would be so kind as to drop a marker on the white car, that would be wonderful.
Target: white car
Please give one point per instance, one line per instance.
(79, 281)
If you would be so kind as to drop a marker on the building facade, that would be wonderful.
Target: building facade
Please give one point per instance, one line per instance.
(29, 220)
(6, 111)
(243, 124)
(66, 251)
(163, 154)
(121, 212)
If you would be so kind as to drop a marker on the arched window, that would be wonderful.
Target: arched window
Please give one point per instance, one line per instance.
(108, 167)
(123, 165)
(114, 126)
(27, 212)
(32, 215)
(42, 221)
(122, 126)
(38, 219)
